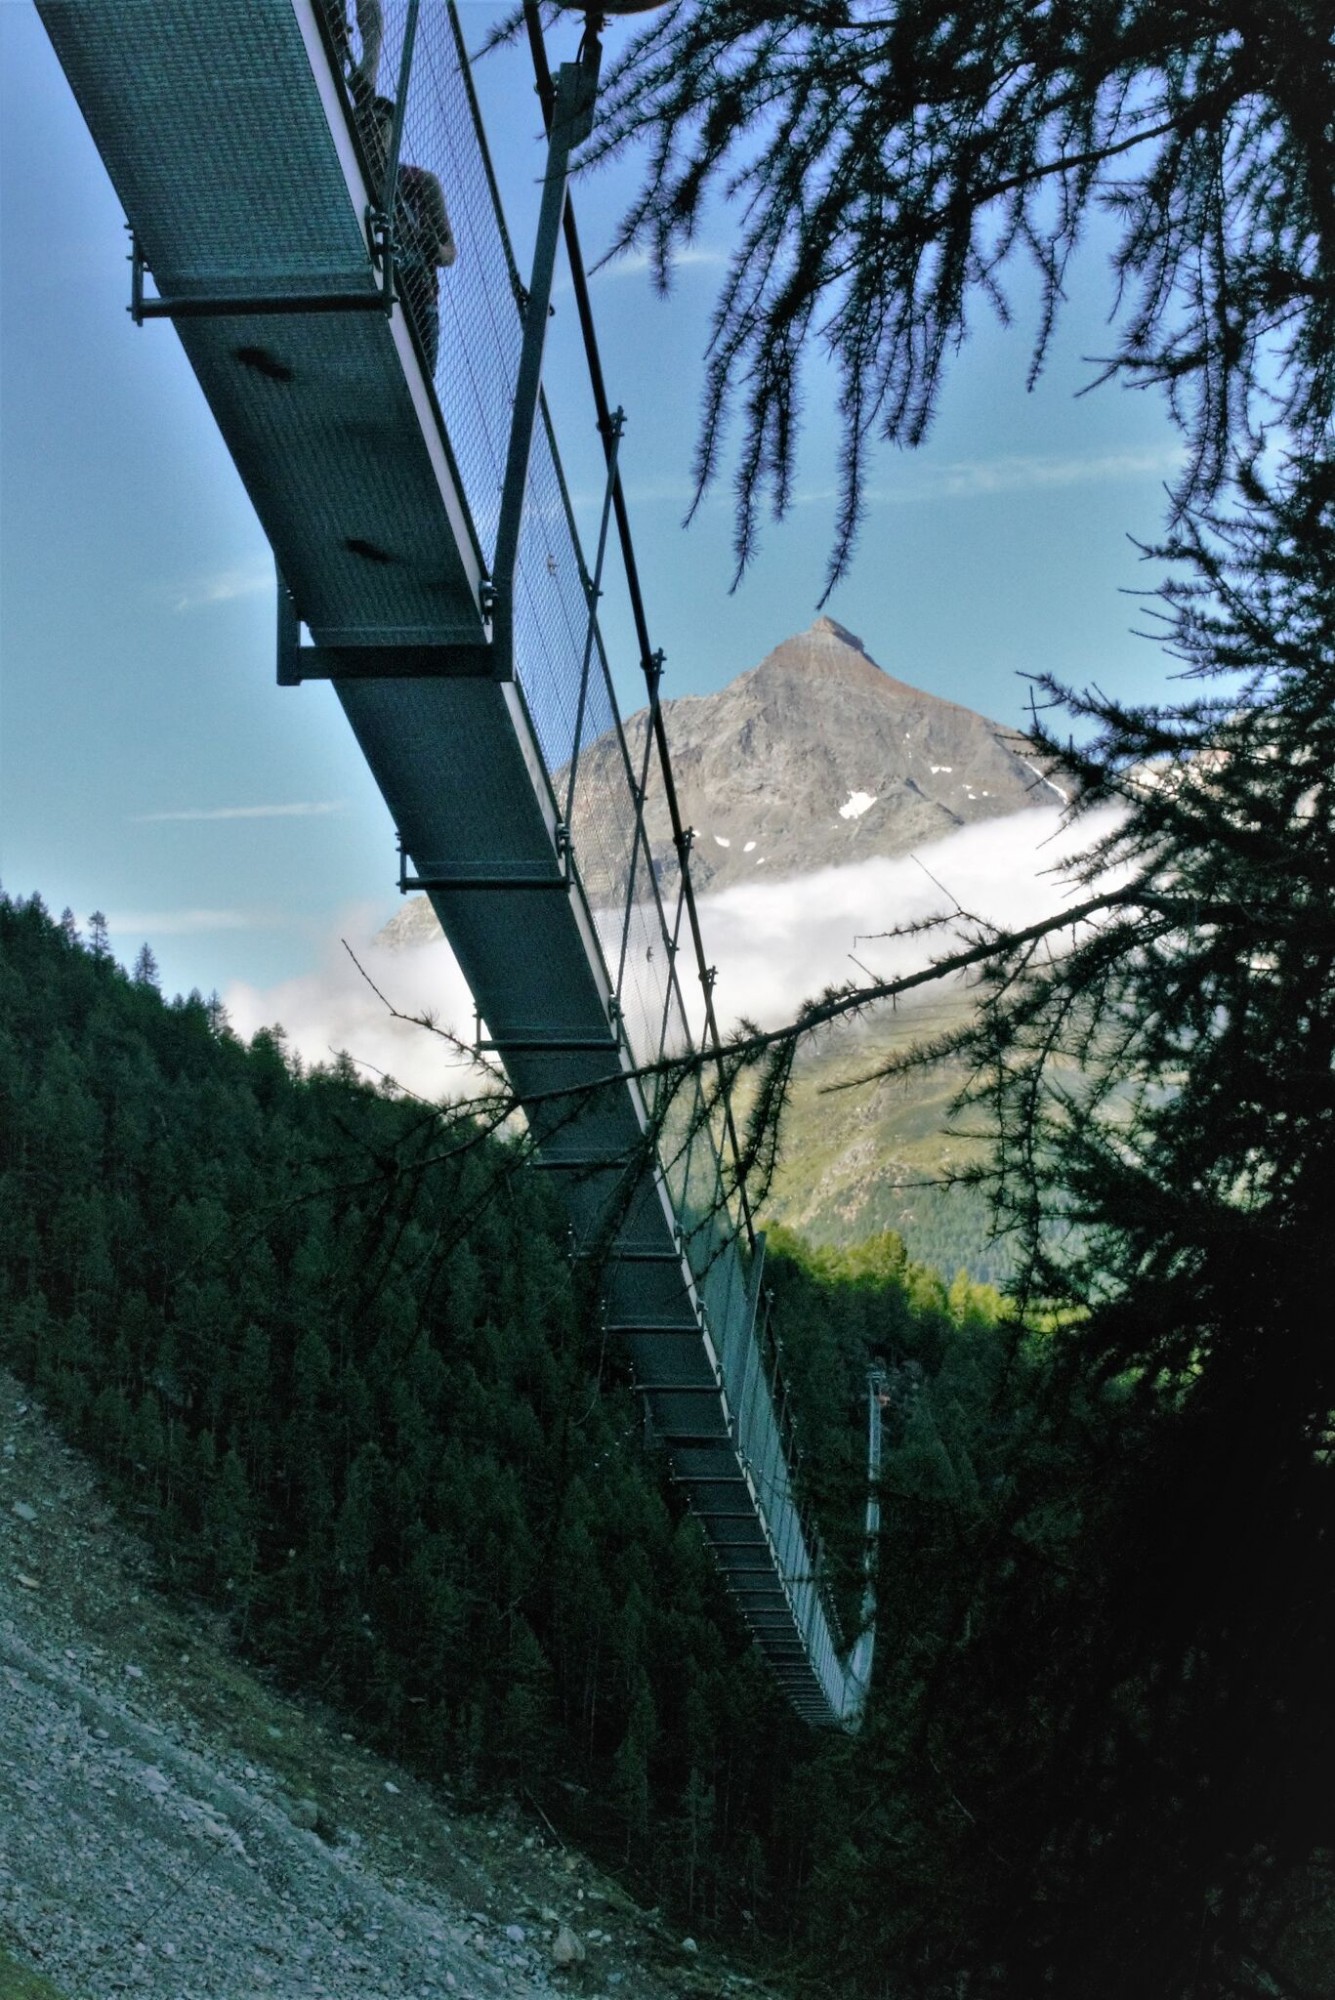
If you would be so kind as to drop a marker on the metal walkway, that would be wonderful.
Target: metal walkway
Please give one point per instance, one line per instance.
(425, 543)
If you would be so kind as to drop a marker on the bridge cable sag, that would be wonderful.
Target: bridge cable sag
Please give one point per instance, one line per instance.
(426, 542)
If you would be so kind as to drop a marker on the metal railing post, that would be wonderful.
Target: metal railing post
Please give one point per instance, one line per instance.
(594, 585)
(400, 106)
(572, 121)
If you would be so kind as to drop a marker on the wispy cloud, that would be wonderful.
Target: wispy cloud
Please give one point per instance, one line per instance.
(634, 263)
(958, 479)
(188, 923)
(298, 809)
(1014, 472)
(774, 944)
(669, 492)
(223, 586)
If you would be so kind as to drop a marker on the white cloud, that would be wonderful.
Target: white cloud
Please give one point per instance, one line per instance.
(775, 943)
(662, 492)
(778, 943)
(955, 479)
(299, 809)
(691, 257)
(1016, 472)
(224, 586)
(334, 1009)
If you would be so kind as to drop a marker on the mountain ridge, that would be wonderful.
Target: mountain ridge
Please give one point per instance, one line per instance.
(813, 758)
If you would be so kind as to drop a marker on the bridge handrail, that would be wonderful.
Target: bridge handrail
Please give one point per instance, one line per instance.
(477, 740)
(704, 1192)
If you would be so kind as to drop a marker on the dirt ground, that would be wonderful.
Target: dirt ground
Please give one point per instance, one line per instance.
(171, 1826)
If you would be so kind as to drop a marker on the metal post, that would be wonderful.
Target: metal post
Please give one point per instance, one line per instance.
(638, 838)
(576, 87)
(136, 280)
(400, 105)
(382, 226)
(595, 589)
(289, 636)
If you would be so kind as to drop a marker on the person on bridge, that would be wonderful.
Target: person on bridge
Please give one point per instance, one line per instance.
(423, 240)
(360, 72)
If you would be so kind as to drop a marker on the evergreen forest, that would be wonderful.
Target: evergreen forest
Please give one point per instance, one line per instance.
(333, 1357)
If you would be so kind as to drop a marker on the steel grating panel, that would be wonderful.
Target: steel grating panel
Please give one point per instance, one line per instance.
(223, 131)
(215, 141)
(643, 1290)
(725, 1535)
(454, 778)
(327, 439)
(691, 1416)
(654, 1360)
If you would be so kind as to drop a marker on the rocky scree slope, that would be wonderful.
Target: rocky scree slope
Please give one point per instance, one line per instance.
(172, 1826)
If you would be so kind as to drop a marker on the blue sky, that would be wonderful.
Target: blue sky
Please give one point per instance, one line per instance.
(149, 765)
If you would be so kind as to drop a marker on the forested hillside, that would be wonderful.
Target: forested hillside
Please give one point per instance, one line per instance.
(335, 1361)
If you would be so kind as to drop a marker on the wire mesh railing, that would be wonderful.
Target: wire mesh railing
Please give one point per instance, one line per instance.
(601, 775)
(561, 662)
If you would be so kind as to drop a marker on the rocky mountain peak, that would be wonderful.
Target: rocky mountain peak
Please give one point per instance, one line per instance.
(826, 651)
(830, 628)
(814, 757)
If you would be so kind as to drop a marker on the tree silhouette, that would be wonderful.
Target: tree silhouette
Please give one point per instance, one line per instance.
(895, 160)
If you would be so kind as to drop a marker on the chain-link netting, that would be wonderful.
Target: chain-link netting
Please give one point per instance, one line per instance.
(600, 777)
(560, 661)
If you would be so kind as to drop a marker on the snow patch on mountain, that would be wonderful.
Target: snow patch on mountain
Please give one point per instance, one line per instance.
(1065, 797)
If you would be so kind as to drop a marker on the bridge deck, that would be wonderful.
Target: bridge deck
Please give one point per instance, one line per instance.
(223, 127)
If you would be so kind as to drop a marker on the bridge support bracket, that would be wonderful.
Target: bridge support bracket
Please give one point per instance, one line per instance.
(462, 660)
(249, 305)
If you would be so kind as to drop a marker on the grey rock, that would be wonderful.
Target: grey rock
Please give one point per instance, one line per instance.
(814, 758)
(24, 1511)
(568, 1947)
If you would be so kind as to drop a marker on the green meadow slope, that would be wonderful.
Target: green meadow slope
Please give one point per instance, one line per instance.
(860, 1157)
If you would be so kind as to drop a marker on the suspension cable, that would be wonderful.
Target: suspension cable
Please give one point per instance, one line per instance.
(650, 665)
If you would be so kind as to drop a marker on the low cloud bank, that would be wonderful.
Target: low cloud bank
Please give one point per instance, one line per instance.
(335, 1010)
(778, 943)
(775, 944)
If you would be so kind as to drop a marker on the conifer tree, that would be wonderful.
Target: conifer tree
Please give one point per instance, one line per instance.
(894, 162)
(145, 967)
(1135, 1608)
(1122, 1742)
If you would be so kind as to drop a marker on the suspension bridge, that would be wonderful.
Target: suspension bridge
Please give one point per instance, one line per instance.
(394, 439)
